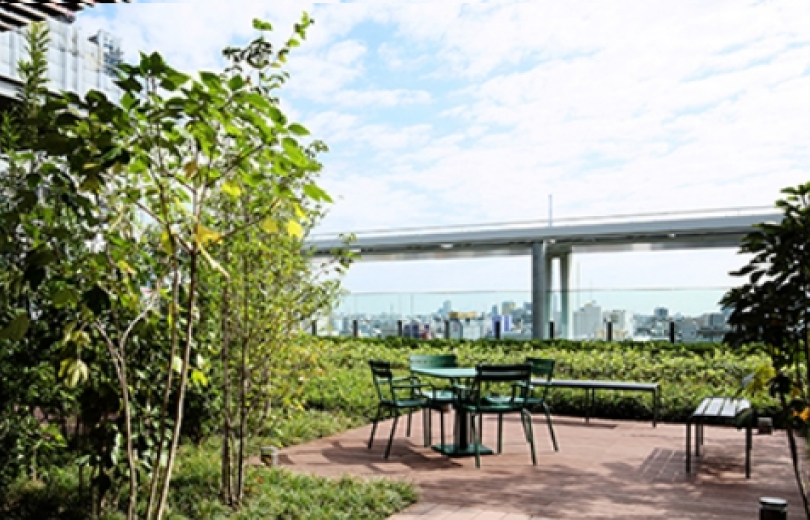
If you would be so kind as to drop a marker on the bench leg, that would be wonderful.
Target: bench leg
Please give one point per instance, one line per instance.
(656, 401)
(689, 447)
(589, 398)
(748, 450)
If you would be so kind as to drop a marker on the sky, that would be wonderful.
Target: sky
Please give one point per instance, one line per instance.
(447, 113)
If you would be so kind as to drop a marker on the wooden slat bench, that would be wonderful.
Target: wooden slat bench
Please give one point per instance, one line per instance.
(719, 410)
(591, 386)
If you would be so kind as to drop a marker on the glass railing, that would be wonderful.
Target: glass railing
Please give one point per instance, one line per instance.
(682, 314)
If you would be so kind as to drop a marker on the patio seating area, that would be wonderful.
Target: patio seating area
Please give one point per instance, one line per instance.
(604, 469)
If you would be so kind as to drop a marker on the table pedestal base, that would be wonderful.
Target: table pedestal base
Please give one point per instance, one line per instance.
(451, 450)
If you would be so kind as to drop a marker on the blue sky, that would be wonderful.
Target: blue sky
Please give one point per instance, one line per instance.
(447, 113)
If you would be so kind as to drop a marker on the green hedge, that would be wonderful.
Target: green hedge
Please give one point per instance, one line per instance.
(687, 372)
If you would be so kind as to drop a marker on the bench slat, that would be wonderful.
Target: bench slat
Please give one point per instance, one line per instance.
(721, 408)
(598, 384)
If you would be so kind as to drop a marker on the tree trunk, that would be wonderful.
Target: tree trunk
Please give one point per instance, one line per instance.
(174, 311)
(794, 455)
(189, 335)
(226, 485)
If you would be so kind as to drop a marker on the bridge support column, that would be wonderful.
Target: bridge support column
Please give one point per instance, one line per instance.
(540, 286)
(565, 296)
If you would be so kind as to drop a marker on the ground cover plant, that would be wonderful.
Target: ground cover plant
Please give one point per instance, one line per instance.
(269, 493)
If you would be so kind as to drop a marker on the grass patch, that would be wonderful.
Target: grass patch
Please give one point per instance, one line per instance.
(270, 493)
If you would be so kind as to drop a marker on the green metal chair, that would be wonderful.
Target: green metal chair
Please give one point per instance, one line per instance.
(389, 390)
(479, 400)
(437, 398)
(542, 372)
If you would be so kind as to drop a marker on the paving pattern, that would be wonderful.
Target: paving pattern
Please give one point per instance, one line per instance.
(604, 469)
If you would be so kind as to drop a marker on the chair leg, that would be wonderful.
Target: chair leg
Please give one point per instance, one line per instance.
(476, 443)
(500, 432)
(426, 417)
(441, 423)
(391, 438)
(550, 427)
(410, 414)
(526, 418)
(374, 426)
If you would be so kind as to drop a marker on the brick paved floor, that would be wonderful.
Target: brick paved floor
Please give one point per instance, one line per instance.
(605, 469)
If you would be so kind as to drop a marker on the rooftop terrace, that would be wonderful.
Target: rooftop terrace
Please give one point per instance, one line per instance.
(604, 469)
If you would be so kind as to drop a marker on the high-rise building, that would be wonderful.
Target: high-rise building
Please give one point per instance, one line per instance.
(587, 321)
(14, 15)
(622, 321)
(507, 307)
(75, 63)
(661, 313)
(447, 306)
(505, 322)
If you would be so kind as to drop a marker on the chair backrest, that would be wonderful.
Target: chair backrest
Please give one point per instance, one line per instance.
(485, 375)
(515, 373)
(542, 368)
(383, 375)
(433, 361)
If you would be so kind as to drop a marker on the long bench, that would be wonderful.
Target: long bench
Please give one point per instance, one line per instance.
(591, 386)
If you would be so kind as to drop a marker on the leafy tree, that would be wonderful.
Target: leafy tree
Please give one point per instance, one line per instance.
(39, 207)
(102, 201)
(773, 307)
(272, 287)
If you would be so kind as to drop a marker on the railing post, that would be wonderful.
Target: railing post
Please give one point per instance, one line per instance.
(446, 329)
(399, 328)
(672, 332)
(314, 326)
(609, 331)
(551, 330)
(355, 329)
(497, 329)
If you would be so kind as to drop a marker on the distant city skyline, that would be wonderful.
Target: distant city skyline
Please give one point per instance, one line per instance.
(687, 301)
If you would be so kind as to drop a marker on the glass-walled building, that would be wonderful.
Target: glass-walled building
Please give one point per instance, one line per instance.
(76, 62)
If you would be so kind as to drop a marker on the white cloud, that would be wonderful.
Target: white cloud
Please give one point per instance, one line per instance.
(381, 97)
(614, 107)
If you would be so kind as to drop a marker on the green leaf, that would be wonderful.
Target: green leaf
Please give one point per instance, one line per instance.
(199, 378)
(297, 129)
(213, 81)
(206, 235)
(314, 192)
(16, 329)
(236, 82)
(64, 296)
(295, 229)
(166, 242)
(258, 101)
(270, 226)
(260, 25)
(73, 371)
(231, 189)
(294, 152)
